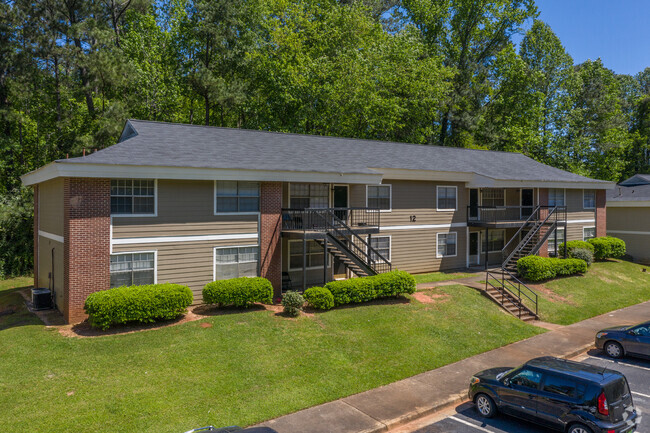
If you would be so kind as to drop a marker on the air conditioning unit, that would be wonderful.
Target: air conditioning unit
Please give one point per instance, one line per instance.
(42, 299)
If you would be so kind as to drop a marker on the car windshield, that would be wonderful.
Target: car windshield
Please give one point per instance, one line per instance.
(507, 372)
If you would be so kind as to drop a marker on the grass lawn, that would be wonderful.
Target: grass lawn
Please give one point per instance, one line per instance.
(605, 287)
(247, 367)
(433, 277)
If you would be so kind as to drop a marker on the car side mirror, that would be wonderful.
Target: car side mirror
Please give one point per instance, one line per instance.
(631, 333)
(506, 381)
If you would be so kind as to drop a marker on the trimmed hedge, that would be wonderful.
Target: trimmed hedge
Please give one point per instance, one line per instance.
(535, 268)
(607, 247)
(319, 298)
(240, 292)
(574, 245)
(365, 289)
(583, 254)
(146, 304)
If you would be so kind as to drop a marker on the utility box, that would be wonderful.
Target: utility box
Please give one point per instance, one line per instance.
(42, 299)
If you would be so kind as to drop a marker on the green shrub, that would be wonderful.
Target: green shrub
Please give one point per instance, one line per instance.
(365, 289)
(292, 303)
(145, 304)
(574, 245)
(607, 247)
(583, 254)
(240, 292)
(319, 298)
(535, 268)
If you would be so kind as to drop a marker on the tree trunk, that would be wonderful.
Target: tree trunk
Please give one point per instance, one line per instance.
(207, 108)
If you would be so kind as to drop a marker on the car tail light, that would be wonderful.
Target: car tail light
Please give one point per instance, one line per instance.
(603, 409)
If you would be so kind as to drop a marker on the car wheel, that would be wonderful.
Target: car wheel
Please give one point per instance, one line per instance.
(613, 349)
(485, 406)
(579, 428)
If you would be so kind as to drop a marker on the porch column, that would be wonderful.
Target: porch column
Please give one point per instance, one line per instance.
(487, 247)
(304, 264)
(325, 261)
(543, 213)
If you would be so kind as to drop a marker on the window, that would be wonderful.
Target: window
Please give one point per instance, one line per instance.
(446, 196)
(551, 239)
(495, 241)
(379, 197)
(235, 262)
(642, 331)
(446, 245)
(556, 197)
(527, 379)
(309, 195)
(493, 197)
(381, 244)
(560, 386)
(133, 197)
(588, 233)
(589, 199)
(315, 255)
(132, 269)
(237, 197)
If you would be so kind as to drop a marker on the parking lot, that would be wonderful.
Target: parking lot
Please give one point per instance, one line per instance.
(464, 419)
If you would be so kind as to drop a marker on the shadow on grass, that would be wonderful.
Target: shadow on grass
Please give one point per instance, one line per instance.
(400, 300)
(213, 310)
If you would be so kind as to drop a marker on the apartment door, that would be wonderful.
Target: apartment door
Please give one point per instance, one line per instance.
(473, 204)
(527, 202)
(340, 201)
(474, 252)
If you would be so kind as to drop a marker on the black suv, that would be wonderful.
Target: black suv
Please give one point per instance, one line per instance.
(563, 395)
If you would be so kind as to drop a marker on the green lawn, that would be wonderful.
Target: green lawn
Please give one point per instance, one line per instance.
(248, 367)
(433, 277)
(605, 287)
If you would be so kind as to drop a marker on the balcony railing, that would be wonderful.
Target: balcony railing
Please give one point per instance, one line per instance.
(321, 219)
(495, 214)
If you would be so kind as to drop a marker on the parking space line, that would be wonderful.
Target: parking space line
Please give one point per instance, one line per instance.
(477, 427)
(620, 363)
(642, 395)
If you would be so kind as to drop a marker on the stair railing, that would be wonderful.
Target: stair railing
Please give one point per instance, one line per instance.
(513, 289)
(533, 219)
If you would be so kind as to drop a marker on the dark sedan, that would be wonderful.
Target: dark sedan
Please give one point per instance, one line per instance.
(619, 341)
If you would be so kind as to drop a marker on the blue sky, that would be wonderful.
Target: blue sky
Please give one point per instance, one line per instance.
(617, 31)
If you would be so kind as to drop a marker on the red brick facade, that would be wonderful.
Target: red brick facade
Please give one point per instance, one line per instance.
(601, 213)
(543, 201)
(270, 227)
(86, 227)
(36, 226)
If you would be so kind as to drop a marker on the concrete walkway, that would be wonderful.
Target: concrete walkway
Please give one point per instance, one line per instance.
(386, 407)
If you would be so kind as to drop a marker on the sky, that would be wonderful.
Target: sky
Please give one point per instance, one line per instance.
(617, 31)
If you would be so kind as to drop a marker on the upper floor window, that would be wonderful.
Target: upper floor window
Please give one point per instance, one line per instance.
(235, 197)
(446, 197)
(493, 197)
(379, 197)
(556, 197)
(589, 199)
(235, 262)
(309, 195)
(132, 269)
(133, 197)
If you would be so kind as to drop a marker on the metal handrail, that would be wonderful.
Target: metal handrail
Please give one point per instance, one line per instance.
(516, 297)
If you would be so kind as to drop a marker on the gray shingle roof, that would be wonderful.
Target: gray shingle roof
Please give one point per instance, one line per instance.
(629, 193)
(637, 179)
(180, 145)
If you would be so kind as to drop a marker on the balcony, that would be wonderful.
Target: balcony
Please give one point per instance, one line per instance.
(313, 223)
(498, 216)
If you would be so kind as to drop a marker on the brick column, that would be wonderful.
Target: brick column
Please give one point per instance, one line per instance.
(601, 213)
(36, 225)
(86, 228)
(270, 226)
(543, 213)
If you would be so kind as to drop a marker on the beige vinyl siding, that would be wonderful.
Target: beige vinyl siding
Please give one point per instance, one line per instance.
(50, 206)
(415, 250)
(357, 195)
(574, 232)
(187, 263)
(628, 219)
(185, 208)
(575, 210)
(46, 268)
(637, 246)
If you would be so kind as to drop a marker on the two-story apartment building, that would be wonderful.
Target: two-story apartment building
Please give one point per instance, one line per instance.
(192, 204)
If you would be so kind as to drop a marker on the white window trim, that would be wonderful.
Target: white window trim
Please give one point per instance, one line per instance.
(390, 197)
(583, 199)
(155, 261)
(141, 215)
(439, 256)
(549, 196)
(504, 196)
(390, 246)
(583, 232)
(553, 236)
(487, 240)
(309, 268)
(447, 210)
(214, 257)
(214, 197)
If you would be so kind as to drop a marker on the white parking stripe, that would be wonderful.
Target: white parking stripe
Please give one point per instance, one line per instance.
(642, 395)
(620, 363)
(477, 427)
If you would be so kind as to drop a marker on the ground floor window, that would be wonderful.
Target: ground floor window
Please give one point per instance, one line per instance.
(588, 233)
(381, 244)
(132, 269)
(446, 244)
(315, 255)
(496, 240)
(235, 262)
(551, 240)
